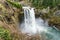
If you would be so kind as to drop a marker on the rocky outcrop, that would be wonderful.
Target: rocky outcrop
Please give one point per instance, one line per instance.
(57, 13)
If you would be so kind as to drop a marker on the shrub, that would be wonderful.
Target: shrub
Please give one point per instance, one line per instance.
(15, 4)
(45, 3)
(5, 34)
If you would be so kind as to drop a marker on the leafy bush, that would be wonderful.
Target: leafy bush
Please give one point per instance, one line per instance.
(45, 3)
(5, 34)
(15, 4)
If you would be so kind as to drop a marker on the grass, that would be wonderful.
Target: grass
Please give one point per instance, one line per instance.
(9, 19)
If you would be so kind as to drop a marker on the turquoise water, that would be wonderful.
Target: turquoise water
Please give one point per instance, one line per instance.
(51, 34)
(33, 26)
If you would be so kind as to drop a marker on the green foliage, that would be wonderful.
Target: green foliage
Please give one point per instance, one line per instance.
(36, 3)
(5, 34)
(45, 3)
(15, 4)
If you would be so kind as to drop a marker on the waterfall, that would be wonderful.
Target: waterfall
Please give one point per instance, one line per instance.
(33, 26)
(29, 19)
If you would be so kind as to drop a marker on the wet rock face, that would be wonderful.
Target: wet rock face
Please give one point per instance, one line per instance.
(57, 13)
(54, 21)
(41, 12)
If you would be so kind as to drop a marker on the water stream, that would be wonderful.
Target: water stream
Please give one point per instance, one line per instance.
(33, 26)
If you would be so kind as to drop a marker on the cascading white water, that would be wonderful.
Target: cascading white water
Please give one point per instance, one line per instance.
(29, 19)
(32, 27)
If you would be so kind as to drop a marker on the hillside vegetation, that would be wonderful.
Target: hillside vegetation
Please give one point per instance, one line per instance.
(11, 14)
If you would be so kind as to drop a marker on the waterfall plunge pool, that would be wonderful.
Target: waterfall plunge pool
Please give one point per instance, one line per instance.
(33, 26)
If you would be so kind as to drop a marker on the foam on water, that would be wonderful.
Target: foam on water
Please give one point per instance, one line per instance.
(33, 26)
